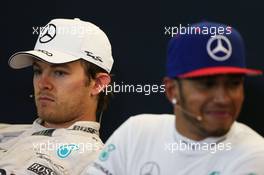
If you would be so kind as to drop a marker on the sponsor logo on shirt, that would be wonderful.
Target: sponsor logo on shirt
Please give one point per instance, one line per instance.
(150, 168)
(85, 129)
(106, 152)
(41, 169)
(46, 157)
(65, 150)
(47, 132)
(101, 168)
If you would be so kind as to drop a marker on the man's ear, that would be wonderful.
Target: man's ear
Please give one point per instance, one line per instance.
(171, 88)
(101, 82)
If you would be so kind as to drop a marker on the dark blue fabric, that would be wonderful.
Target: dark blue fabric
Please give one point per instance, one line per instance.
(187, 52)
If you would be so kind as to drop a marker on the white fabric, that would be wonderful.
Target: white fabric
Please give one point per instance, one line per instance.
(66, 40)
(143, 145)
(9, 131)
(47, 151)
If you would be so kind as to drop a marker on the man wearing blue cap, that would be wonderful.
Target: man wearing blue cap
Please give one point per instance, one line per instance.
(204, 82)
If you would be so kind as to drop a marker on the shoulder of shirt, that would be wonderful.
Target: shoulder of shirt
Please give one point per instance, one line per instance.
(246, 137)
(14, 127)
(150, 121)
(9, 131)
(153, 117)
(144, 128)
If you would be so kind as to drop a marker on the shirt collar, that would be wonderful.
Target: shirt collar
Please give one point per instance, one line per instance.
(83, 126)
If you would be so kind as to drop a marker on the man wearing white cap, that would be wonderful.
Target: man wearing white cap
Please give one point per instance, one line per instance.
(204, 82)
(71, 62)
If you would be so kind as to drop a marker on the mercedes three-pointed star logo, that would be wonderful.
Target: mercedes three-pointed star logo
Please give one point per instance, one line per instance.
(219, 48)
(150, 168)
(47, 33)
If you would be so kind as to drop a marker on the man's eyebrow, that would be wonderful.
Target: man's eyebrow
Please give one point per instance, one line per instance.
(60, 65)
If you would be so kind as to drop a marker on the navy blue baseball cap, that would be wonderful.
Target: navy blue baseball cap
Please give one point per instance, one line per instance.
(207, 49)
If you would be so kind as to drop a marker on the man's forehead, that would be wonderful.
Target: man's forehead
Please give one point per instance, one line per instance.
(44, 63)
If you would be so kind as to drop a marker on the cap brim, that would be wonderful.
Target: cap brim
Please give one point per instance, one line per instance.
(220, 70)
(24, 59)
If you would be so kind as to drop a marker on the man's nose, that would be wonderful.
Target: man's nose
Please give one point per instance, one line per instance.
(44, 82)
(221, 95)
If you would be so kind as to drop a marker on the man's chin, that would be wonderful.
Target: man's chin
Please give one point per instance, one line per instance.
(49, 117)
(54, 119)
(218, 132)
(219, 128)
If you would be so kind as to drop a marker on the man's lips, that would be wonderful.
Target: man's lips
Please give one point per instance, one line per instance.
(219, 113)
(45, 98)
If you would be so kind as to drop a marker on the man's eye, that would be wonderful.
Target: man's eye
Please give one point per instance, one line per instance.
(235, 82)
(206, 83)
(59, 73)
(209, 83)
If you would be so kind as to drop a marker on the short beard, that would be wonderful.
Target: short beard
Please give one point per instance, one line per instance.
(57, 117)
(198, 128)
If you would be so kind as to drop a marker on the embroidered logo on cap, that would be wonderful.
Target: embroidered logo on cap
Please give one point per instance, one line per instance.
(47, 33)
(96, 58)
(219, 48)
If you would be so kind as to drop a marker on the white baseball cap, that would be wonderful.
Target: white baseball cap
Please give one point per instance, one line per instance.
(66, 40)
